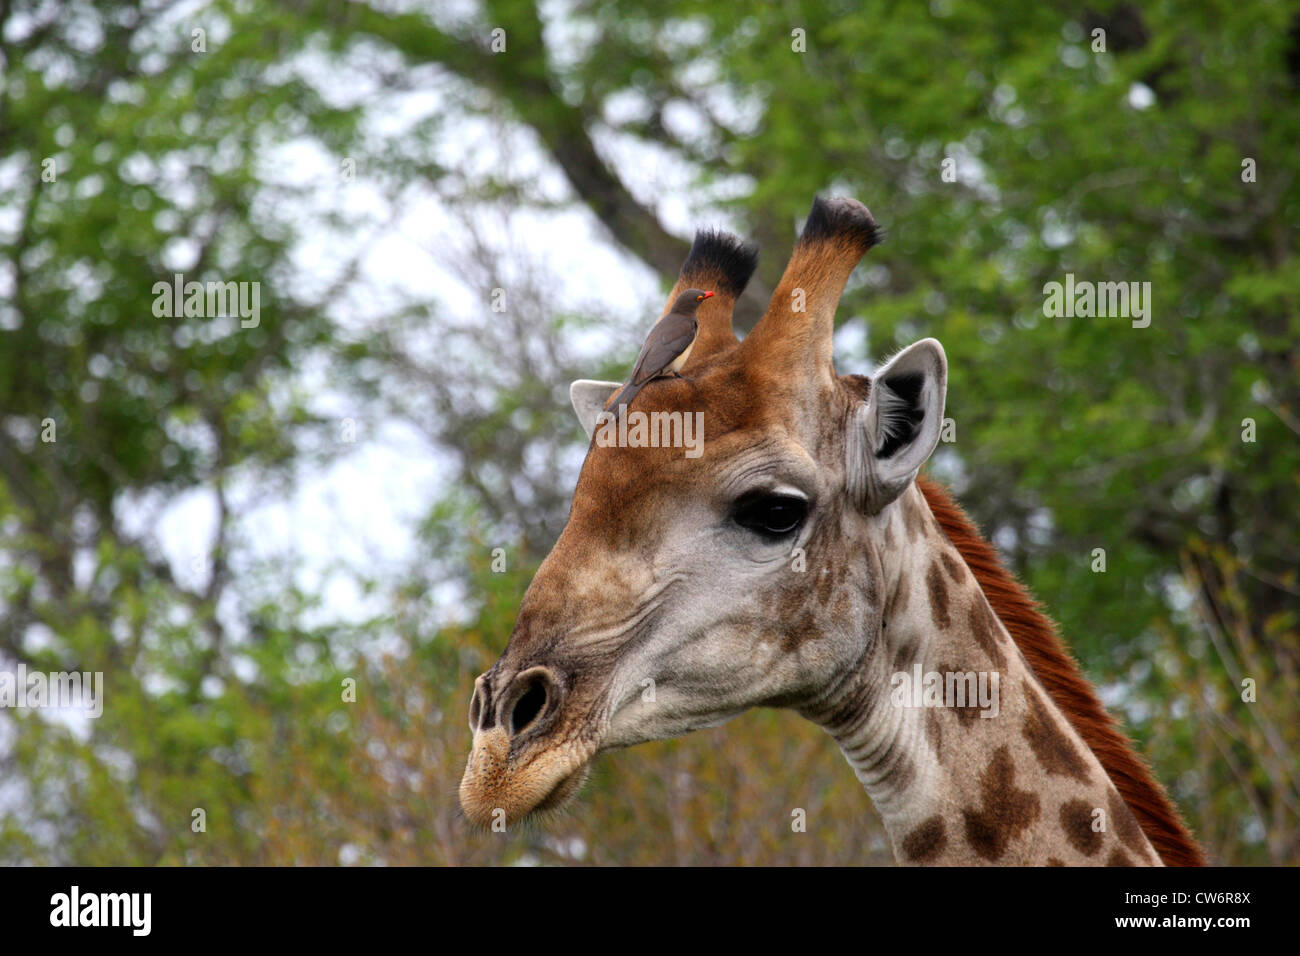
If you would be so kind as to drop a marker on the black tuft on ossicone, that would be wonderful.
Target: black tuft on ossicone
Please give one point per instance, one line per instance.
(722, 258)
(844, 219)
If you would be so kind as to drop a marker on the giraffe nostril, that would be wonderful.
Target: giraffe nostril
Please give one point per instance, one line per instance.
(528, 707)
(479, 704)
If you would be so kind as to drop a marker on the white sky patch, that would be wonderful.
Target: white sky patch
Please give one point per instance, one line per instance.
(1141, 96)
(361, 511)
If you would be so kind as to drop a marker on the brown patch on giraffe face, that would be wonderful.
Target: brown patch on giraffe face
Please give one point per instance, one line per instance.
(806, 602)
(925, 842)
(1126, 825)
(801, 629)
(843, 604)
(791, 601)
(1004, 811)
(826, 581)
(1119, 858)
(1076, 821)
(984, 628)
(1053, 861)
(1054, 750)
(938, 588)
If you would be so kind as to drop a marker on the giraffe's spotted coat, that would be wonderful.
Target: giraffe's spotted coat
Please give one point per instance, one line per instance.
(954, 566)
(1076, 821)
(926, 841)
(1054, 750)
(1126, 826)
(938, 589)
(984, 628)
(1005, 811)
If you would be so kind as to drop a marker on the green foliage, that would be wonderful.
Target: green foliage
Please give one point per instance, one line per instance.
(1072, 433)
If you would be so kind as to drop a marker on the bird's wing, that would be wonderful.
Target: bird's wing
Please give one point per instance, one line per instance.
(667, 340)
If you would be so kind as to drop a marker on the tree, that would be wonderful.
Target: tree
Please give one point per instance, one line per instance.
(1004, 148)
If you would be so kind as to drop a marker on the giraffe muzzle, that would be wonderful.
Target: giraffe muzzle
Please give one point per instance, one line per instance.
(517, 765)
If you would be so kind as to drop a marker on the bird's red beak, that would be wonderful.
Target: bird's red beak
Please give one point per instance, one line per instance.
(708, 295)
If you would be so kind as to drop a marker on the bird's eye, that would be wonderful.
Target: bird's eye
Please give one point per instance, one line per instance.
(770, 515)
(699, 298)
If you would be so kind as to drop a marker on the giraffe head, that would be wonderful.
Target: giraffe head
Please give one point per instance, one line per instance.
(684, 590)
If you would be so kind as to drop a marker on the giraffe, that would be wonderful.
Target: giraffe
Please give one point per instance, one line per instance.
(803, 562)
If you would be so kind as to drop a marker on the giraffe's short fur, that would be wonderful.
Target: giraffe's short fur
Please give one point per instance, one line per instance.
(661, 577)
(926, 841)
(1078, 822)
(1056, 753)
(1004, 812)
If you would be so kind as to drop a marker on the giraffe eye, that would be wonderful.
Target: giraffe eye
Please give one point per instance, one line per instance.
(770, 515)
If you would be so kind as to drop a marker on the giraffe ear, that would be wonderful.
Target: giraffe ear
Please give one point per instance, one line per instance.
(589, 397)
(893, 433)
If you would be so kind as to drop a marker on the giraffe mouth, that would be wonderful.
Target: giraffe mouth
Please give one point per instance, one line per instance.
(497, 790)
(565, 789)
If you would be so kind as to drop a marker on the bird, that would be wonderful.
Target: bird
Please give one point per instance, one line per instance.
(667, 347)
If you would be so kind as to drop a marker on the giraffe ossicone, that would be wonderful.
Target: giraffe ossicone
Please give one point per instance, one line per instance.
(677, 570)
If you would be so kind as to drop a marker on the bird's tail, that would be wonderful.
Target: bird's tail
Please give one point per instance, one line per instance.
(624, 398)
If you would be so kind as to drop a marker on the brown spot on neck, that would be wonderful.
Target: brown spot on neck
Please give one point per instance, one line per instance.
(952, 564)
(968, 709)
(938, 588)
(1126, 825)
(905, 654)
(897, 602)
(1076, 821)
(925, 842)
(1004, 810)
(984, 628)
(1054, 750)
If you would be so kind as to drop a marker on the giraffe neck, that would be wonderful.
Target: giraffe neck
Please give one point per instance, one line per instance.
(976, 765)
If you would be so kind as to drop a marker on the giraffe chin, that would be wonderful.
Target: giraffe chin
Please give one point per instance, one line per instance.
(496, 792)
(563, 792)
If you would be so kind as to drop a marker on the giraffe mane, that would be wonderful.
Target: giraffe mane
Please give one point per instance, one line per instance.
(1037, 637)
